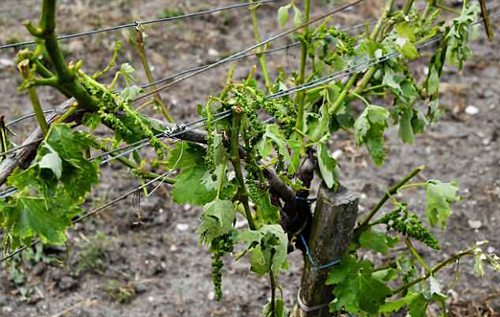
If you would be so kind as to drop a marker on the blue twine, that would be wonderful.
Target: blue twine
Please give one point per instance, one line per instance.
(309, 256)
(309, 200)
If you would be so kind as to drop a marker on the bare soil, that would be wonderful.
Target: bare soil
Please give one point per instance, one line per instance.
(147, 261)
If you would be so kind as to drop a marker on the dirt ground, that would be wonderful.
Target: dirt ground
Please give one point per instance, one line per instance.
(147, 261)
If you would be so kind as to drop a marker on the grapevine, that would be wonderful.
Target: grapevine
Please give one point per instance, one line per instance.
(256, 152)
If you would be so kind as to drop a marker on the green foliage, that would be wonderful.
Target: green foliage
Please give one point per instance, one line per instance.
(188, 188)
(369, 129)
(230, 175)
(376, 240)
(355, 288)
(268, 247)
(439, 197)
(216, 220)
(327, 166)
(51, 190)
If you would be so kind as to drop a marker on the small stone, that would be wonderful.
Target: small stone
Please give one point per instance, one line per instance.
(7, 309)
(6, 63)
(173, 248)
(187, 207)
(66, 283)
(211, 296)
(472, 110)
(213, 52)
(475, 224)
(182, 227)
(337, 153)
(362, 196)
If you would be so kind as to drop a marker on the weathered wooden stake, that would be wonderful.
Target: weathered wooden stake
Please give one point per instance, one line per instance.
(331, 232)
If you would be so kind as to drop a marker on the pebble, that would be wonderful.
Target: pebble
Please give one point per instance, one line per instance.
(7, 309)
(213, 52)
(182, 227)
(472, 110)
(475, 224)
(337, 153)
(187, 207)
(66, 283)
(173, 248)
(211, 296)
(6, 63)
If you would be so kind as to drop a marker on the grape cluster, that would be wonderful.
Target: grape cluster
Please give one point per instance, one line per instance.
(220, 246)
(409, 225)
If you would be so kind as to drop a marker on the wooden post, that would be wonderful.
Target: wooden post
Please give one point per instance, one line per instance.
(331, 233)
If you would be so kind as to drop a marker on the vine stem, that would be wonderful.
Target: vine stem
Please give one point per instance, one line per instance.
(262, 58)
(66, 75)
(147, 69)
(369, 74)
(364, 223)
(302, 70)
(23, 67)
(417, 256)
(272, 280)
(434, 270)
(236, 161)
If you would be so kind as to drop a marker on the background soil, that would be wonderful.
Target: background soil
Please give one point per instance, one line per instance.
(147, 261)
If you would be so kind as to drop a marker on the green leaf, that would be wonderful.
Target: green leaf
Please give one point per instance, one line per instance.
(406, 37)
(53, 162)
(376, 240)
(392, 307)
(405, 126)
(283, 14)
(327, 166)
(355, 288)
(409, 50)
(189, 188)
(126, 70)
(406, 31)
(192, 184)
(418, 306)
(432, 82)
(32, 216)
(297, 19)
(268, 246)
(439, 196)
(273, 134)
(217, 219)
(268, 212)
(130, 93)
(389, 78)
(279, 309)
(91, 120)
(369, 129)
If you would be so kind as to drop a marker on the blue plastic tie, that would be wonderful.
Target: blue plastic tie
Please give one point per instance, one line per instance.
(309, 256)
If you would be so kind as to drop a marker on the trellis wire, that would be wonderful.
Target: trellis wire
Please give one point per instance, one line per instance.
(316, 83)
(139, 23)
(176, 132)
(146, 142)
(93, 212)
(247, 50)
